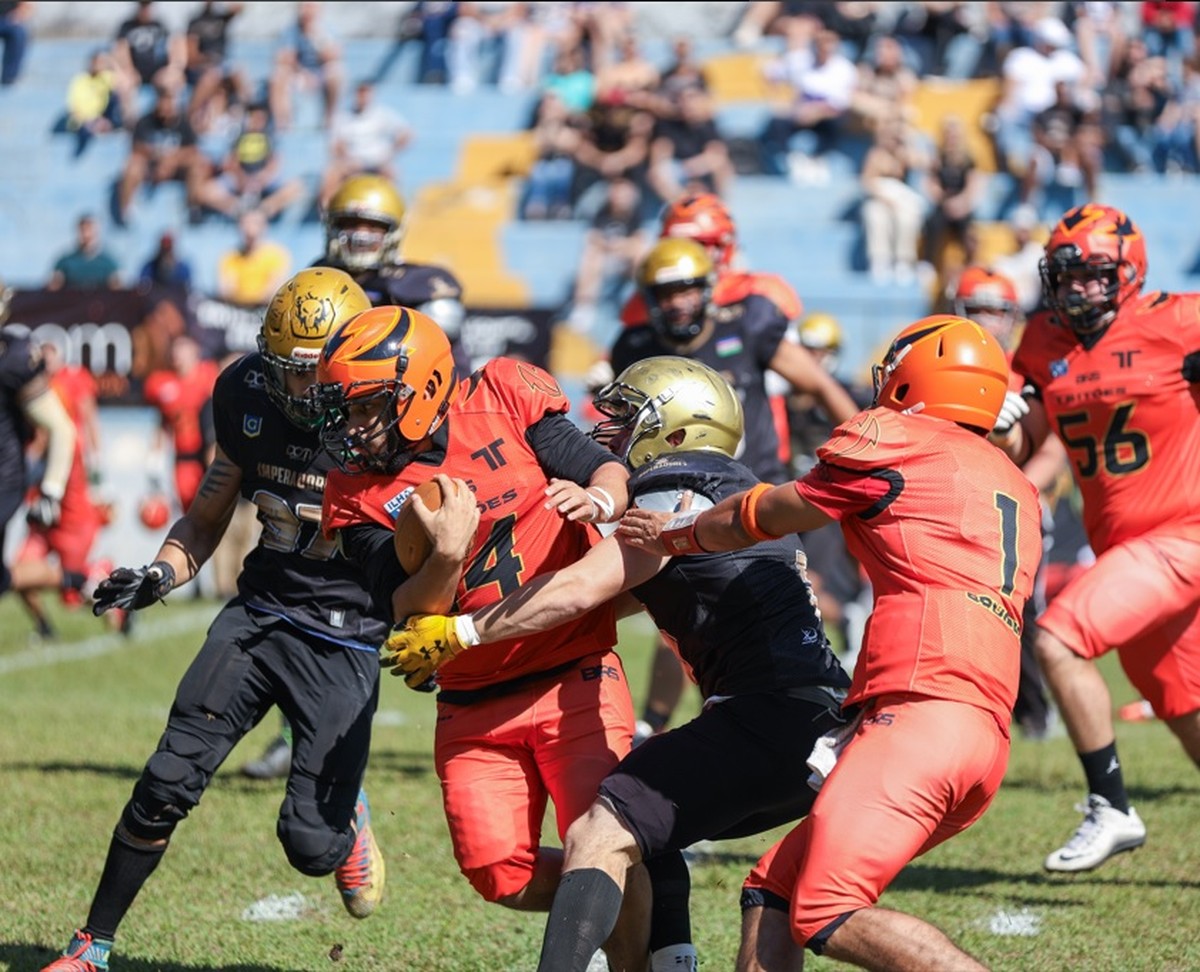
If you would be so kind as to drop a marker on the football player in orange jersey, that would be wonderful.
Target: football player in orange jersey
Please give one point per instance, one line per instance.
(27, 403)
(81, 517)
(947, 530)
(526, 720)
(1112, 371)
(990, 298)
(743, 622)
(182, 394)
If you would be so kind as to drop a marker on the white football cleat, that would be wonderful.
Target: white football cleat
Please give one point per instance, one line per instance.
(1105, 831)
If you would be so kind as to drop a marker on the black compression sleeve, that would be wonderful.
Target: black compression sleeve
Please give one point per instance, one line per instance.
(565, 451)
(371, 547)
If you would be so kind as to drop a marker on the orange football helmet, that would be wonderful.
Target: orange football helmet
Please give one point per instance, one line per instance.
(397, 361)
(945, 366)
(705, 219)
(988, 298)
(1097, 242)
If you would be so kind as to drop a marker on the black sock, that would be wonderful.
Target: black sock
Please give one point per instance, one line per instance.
(1103, 772)
(126, 869)
(73, 580)
(656, 720)
(583, 915)
(670, 923)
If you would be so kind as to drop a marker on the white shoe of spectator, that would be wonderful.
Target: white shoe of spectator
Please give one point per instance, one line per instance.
(1105, 831)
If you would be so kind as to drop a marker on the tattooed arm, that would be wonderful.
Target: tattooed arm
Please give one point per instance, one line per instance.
(195, 535)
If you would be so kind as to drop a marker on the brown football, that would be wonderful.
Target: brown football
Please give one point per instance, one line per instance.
(412, 542)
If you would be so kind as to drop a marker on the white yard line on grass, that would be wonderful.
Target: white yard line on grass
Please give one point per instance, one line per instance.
(1021, 923)
(40, 656)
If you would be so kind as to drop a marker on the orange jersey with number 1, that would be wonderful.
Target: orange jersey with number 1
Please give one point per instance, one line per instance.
(517, 537)
(1126, 415)
(949, 532)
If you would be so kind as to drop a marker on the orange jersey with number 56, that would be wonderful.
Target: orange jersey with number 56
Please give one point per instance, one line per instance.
(1129, 420)
(949, 532)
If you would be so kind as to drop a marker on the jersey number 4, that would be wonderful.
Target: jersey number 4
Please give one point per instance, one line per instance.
(496, 562)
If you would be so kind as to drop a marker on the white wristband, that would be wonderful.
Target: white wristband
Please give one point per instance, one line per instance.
(604, 503)
(464, 627)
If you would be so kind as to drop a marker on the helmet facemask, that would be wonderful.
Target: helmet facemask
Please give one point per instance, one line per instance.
(1072, 305)
(631, 416)
(360, 243)
(303, 410)
(662, 404)
(673, 325)
(358, 451)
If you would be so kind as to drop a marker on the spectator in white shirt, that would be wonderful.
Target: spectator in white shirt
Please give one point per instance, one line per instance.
(823, 81)
(1031, 75)
(364, 139)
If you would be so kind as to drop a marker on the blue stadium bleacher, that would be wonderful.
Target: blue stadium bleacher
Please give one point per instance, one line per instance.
(808, 234)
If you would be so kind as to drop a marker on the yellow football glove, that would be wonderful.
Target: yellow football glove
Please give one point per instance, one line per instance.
(419, 647)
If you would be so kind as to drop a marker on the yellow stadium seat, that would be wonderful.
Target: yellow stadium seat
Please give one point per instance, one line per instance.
(935, 98)
(737, 76)
(457, 224)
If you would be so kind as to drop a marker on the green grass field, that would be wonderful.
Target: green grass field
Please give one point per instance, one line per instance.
(81, 715)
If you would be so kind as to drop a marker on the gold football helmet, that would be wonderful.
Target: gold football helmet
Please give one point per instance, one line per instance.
(364, 223)
(6, 294)
(301, 315)
(668, 404)
(821, 334)
(674, 265)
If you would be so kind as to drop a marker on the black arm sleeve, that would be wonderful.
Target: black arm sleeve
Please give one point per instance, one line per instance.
(564, 450)
(371, 548)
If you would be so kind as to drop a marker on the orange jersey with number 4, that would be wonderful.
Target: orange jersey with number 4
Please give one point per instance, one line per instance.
(1129, 420)
(949, 532)
(517, 538)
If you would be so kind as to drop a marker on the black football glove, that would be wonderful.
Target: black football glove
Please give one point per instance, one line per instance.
(1191, 367)
(133, 589)
(44, 511)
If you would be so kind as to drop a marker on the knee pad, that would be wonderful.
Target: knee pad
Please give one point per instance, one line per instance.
(164, 795)
(311, 845)
(499, 880)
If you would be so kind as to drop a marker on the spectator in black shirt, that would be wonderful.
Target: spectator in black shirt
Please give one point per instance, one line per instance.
(614, 142)
(687, 153)
(955, 186)
(146, 52)
(164, 149)
(207, 45)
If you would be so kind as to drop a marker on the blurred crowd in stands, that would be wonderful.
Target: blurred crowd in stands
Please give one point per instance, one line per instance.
(1081, 88)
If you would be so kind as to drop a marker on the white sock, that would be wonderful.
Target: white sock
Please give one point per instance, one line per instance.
(675, 958)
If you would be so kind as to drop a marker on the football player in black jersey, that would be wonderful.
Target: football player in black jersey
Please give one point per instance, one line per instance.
(741, 341)
(745, 626)
(364, 227)
(28, 402)
(301, 633)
